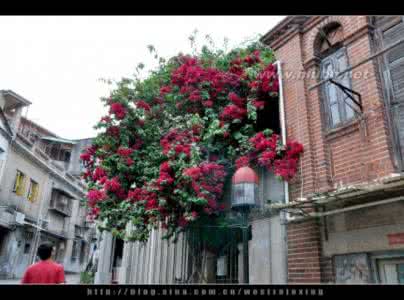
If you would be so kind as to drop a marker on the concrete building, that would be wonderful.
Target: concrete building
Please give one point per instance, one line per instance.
(40, 194)
(343, 88)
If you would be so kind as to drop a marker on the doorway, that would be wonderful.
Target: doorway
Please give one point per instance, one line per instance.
(117, 259)
(391, 271)
(3, 233)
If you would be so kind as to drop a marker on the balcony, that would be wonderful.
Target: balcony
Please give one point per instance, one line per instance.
(60, 233)
(78, 231)
(61, 203)
(25, 140)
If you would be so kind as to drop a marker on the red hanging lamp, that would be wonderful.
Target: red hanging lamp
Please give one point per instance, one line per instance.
(244, 188)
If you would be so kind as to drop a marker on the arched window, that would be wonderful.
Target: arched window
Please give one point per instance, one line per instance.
(338, 107)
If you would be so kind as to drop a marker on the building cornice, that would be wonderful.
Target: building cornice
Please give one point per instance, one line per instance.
(284, 31)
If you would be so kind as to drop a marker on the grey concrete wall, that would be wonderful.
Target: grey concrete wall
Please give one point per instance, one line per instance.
(278, 249)
(268, 247)
(363, 230)
(270, 188)
(75, 167)
(259, 252)
(15, 260)
(104, 274)
(4, 146)
(9, 254)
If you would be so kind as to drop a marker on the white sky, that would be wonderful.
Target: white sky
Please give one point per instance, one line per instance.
(56, 61)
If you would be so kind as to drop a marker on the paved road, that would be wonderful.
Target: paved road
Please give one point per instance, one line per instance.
(70, 278)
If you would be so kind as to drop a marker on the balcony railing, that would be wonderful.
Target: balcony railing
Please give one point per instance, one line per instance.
(60, 207)
(60, 232)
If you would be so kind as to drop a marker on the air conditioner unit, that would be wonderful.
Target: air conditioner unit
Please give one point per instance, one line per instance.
(19, 218)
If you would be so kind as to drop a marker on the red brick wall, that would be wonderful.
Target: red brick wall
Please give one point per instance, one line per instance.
(304, 252)
(358, 152)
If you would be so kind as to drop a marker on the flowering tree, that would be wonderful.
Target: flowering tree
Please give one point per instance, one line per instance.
(170, 140)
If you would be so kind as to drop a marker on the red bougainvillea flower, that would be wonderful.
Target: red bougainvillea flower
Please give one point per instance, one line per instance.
(165, 90)
(86, 174)
(138, 144)
(207, 103)
(269, 79)
(118, 110)
(193, 172)
(242, 162)
(121, 194)
(140, 194)
(85, 156)
(129, 161)
(285, 168)
(143, 104)
(113, 131)
(93, 214)
(94, 196)
(88, 153)
(124, 152)
(98, 173)
(233, 112)
(102, 180)
(266, 158)
(293, 149)
(237, 100)
(106, 119)
(112, 185)
(165, 167)
(258, 104)
(182, 222)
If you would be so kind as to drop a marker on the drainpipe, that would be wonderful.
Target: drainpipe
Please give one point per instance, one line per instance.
(282, 118)
(283, 135)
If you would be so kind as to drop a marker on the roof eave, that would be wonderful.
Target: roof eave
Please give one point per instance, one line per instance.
(20, 98)
(282, 27)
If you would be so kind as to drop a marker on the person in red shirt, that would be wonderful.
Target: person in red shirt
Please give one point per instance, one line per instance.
(46, 271)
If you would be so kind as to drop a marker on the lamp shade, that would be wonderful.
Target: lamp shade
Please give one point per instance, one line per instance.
(244, 188)
(245, 175)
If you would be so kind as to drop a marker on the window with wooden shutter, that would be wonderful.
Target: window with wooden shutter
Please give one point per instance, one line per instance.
(337, 105)
(19, 183)
(394, 76)
(33, 191)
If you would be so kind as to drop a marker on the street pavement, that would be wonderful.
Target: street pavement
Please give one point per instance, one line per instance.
(70, 279)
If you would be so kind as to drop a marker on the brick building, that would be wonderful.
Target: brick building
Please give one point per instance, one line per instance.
(345, 221)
